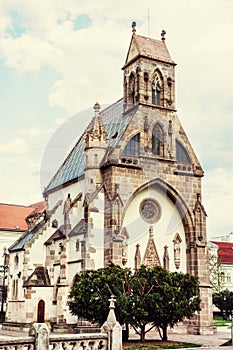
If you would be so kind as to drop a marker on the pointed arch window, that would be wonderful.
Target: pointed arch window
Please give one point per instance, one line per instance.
(131, 91)
(153, 92)
(182, 155)
(157, 89)
(146, 79)
(157, 140)
(132, 147)
(158, 93)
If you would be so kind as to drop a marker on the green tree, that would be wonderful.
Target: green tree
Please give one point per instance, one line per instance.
(150, 296)
(216, 272)
(224, 302)
(90, 293)
(162, 298)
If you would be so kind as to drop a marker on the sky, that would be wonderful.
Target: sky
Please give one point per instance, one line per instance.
(58, 57)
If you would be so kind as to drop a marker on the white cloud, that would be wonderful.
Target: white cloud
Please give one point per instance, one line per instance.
(89, 65)
(17, 147)
(219, 201)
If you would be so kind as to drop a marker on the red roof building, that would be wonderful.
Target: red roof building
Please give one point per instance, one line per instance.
(225, 252)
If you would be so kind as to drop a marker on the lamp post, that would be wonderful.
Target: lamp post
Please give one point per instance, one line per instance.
(224, 310)
(3, 269)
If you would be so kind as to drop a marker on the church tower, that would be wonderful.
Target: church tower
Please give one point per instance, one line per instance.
(149, 76)
(96, 143)
(156, 175)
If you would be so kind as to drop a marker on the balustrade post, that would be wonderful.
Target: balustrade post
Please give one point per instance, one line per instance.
(41, 333)
(113, 328)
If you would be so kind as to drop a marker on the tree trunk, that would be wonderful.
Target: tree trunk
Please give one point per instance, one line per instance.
(164, 329)
(125, 333)
(143, 333)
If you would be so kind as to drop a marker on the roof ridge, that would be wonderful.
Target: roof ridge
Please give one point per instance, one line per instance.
(16, 205)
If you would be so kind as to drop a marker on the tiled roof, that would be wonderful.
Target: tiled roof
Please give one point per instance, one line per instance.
(25, 238)
(225, 252)
(73, 167)
(39, 278)
(38, 208)
(57, 235)
(152, 48)
(13, 217)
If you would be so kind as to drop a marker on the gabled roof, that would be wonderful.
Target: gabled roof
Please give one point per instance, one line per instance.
(59, 234)
(39, 278)
(115, 123)
(13, 217)
(225, 252)
(25, 238)
(80, 228)
(147, 47)
(38, 208)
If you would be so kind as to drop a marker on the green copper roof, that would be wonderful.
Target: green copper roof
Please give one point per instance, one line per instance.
(73, 167)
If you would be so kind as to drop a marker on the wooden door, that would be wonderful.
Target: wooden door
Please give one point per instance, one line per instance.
(40, 311)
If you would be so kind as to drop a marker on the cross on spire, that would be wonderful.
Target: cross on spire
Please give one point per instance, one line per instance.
(134, 27)
(163, 33)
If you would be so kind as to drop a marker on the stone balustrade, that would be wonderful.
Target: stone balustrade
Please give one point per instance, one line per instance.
(40, 337)
(17, 343)
(57, 342)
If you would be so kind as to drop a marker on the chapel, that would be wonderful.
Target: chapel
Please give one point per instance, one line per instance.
(129, 192)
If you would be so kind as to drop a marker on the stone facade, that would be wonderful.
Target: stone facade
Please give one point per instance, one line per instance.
(129, 192)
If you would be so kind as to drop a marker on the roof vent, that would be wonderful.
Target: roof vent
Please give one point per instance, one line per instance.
(17, 227)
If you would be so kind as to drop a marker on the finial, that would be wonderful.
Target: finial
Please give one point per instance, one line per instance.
(112, 301)
(97, 107)
(151, 232)
(134, 27)
(163, 35)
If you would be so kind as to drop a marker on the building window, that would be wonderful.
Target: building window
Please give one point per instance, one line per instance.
(77, 245)
(153, 92)
(157, 89)
(228, 277)
(158, 93)
(181, 154)
(16, 261)
(131, 87)
(157, 140)
(15, 289)
(146, 79)
(132, 147)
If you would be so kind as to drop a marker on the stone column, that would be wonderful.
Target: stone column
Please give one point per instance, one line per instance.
(113, 328)
(41, 333)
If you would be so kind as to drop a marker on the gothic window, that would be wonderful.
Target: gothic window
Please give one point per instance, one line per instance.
(131, 87)
(132, 147)
(181, 154)
(158, 93)
(157, 140)
(153, 92)
(157, 89)
(16, 261)
(146, 78)
(15, 289)
(169, 83)
(77, 245)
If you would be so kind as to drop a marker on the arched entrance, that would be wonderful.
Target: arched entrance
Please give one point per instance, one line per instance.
(40, 311)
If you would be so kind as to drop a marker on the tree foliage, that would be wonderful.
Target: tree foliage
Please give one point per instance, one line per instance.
(150, 296)
(90, 293)
(224, 302)
(216, 271)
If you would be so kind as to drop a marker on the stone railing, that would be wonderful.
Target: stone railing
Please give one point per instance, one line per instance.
(40, 338)
(17, 343)
(56, 341)
(78, 342)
